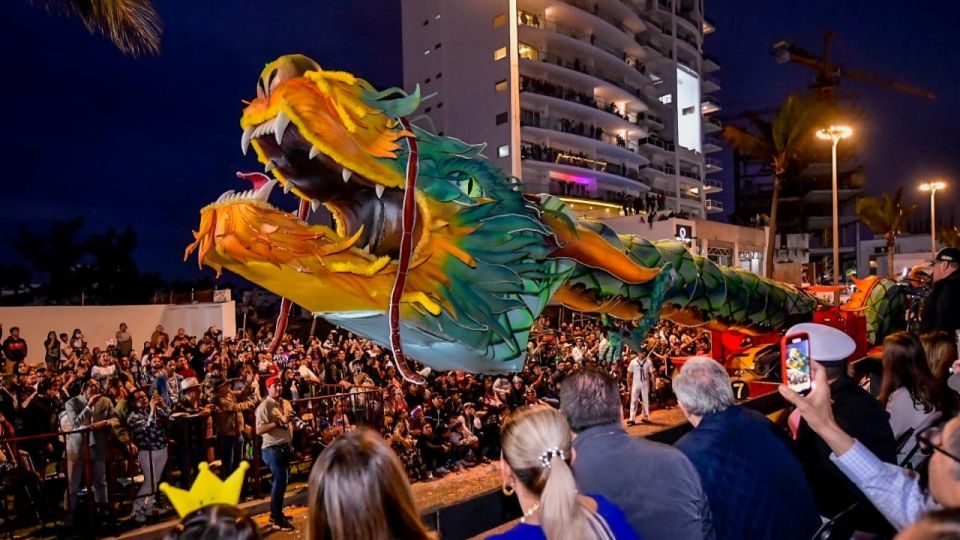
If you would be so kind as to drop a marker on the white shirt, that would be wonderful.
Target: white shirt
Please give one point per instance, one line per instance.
(640, 369)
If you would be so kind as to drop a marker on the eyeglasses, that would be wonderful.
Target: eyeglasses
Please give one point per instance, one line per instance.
(925, 440)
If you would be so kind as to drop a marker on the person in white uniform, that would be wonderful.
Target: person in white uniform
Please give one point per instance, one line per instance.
(639, 374)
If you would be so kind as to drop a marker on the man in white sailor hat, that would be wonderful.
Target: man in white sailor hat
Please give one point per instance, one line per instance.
(859, 414)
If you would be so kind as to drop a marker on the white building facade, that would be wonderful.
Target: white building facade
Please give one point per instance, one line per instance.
(601, 102)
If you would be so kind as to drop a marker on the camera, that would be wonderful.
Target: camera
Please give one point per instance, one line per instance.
(297, 422)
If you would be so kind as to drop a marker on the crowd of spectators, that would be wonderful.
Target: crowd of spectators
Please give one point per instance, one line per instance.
(180, 399)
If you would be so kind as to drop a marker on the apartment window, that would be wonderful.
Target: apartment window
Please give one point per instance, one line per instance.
(500, 53)
(437, 46)
(440, 105)
(529, 52)
(503, 151)
(688, 110)
(666, 99)
(426, 22)
(439, 75)
(427, 110)
(502, 118)
(440, 134)
(501, 86)
(500, 20)
(427, 81)
(426, 52)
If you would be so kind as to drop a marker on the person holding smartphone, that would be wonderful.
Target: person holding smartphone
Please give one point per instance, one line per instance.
(860, 415)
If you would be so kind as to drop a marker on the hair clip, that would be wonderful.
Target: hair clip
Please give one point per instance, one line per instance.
(547, 457)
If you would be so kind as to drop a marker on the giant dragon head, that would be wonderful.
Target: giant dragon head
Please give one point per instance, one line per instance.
(477, 278)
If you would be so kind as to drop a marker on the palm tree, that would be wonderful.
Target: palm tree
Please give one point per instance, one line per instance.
(132, 25)
(885, 216)
(950, 236)
(780, 144)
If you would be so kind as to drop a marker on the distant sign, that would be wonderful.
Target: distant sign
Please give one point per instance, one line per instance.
(683, 233)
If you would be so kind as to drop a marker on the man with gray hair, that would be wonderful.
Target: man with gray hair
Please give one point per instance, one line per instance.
(744, 463)
(655, 485)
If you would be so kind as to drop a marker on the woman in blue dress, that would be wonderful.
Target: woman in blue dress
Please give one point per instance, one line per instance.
(535, 465)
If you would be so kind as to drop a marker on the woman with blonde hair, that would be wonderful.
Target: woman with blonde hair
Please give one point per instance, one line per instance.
(537, 454)
(358, 491)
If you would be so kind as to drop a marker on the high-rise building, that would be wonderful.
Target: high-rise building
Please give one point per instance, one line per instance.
(602, 102)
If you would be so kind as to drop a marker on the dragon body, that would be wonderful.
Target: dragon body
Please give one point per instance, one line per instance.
(485, 257)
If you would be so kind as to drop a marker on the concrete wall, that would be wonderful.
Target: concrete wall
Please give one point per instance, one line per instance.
(908, 251)
(100, 323)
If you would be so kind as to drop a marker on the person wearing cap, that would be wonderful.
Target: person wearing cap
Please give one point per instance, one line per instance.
(190, 416)
(228, 410)
(273, 418)
(742, 461)
(859, 414)
(942, 307)
(896, 492)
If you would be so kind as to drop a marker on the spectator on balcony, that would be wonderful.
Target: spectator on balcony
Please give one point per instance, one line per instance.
(124, 340)
(160, 339)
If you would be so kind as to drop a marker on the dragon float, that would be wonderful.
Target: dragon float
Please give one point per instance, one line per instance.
(434, 248)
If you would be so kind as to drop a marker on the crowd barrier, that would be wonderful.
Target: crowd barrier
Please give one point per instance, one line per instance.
(33, 490)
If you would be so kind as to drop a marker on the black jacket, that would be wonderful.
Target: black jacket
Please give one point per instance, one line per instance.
(942, 307)
(861, 415)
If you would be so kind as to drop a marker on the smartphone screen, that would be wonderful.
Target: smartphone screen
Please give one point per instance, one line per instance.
(796, 361)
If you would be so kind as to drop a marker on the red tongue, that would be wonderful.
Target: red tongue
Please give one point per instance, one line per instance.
(257, 178)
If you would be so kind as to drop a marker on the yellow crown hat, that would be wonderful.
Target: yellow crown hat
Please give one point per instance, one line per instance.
(207, 489)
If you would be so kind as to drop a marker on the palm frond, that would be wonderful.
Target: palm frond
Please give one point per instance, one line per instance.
(950, 236)
(748, 143)
(133, 25)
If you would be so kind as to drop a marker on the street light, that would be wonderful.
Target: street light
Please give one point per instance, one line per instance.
(933, 188)
(834, 134)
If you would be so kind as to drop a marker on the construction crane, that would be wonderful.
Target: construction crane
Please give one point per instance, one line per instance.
(829, 74)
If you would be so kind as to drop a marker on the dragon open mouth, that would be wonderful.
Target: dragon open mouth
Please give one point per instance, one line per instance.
(357, 203)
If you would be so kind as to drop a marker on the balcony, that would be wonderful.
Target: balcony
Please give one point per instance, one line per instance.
(712, 186)
(709, 85)
(653, 171)
(656, 142)
(693, 175)
(713, 206)
(710, 64)
(713, 165)
(650, 120)
(579, 100)
(576, 65)
(711, 144)
(709, 105)
(576, 163)
(712, 124)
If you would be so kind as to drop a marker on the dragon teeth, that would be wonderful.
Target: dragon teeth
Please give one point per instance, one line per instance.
(263, 193)
(269, 166)
(245, 139)
(280, 124)
(287, 187)
(227, 195)
(314, 205)
(314, 151)
(379, 188)
(347, 173)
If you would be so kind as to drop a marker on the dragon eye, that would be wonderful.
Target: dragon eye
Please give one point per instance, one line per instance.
(470, 187)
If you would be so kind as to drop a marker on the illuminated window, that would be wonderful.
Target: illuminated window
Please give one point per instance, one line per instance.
(666, 99)
(426, 52)
(529, 52)
(502, 118)
(500, 53)
(503, 151)
(501, 86)
(500, 20)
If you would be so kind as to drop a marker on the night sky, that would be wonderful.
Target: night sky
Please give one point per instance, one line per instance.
(147, 142)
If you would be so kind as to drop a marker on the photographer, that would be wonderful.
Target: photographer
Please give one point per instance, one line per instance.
(228, 418)
(274, 419)
(150, 439)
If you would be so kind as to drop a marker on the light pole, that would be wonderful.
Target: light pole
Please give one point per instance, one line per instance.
(933, 188)
(834, 134)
